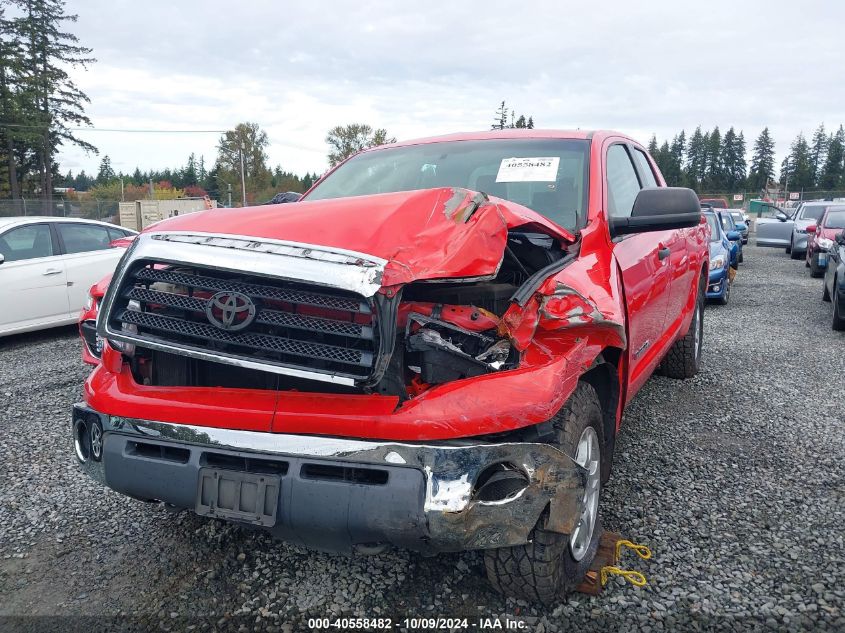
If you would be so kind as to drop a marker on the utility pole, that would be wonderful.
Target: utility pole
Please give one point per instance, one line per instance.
(122, 197)
(243, 176)
(152, 191)
(229, 186)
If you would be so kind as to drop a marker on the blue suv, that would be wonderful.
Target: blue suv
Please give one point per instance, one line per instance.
(719, 284)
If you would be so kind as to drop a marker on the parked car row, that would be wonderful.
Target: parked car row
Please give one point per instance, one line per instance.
(815, 230)
(726, 240)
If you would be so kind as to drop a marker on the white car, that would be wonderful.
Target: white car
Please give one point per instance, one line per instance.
(47, 266)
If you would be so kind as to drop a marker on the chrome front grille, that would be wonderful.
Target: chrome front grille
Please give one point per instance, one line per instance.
(304, 327)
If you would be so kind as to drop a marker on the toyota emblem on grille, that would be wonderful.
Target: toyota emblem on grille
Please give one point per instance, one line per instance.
(230, 310)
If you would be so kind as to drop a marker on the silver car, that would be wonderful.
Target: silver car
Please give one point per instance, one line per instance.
(808, 213)
(775, 228)
(789, 230)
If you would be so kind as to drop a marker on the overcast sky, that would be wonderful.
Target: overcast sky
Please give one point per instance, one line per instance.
(424, 68)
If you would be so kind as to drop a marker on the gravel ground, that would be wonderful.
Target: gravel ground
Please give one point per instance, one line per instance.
(735, 479)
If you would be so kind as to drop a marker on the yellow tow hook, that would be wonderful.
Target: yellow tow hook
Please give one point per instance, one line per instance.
(634, 577)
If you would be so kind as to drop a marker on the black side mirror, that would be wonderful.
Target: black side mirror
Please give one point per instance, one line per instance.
(840, 239)
(2, 258)
(660, 209)
(284, 198)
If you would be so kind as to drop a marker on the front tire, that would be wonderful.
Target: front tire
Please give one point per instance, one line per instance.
(684, 358)
(551, 565)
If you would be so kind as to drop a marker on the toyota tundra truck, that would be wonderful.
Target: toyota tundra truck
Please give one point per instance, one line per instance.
(432, 350)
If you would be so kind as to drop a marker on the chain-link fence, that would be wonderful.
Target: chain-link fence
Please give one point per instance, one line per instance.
(794, 197)
(91, 209)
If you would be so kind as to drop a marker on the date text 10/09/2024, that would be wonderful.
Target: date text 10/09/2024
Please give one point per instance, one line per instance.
(414, 624)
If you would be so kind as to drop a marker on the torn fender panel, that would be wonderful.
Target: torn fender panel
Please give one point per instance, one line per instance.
(568, 308)
(519, 323)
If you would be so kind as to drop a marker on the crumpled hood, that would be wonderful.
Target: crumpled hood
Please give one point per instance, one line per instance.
(425, 234)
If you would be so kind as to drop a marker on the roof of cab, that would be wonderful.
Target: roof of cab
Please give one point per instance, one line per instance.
(521, 133)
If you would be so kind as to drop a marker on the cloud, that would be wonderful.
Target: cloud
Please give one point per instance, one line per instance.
(300, 68)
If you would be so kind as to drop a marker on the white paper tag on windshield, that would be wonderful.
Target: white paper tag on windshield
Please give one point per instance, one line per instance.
(528, 169)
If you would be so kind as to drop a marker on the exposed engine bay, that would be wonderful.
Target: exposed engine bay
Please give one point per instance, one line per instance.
(418, 335)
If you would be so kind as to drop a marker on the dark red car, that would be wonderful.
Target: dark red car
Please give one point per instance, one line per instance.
(433, 350)
(821, 236)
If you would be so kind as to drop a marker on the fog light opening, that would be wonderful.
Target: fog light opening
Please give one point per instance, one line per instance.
(499, 482)
(80, 440)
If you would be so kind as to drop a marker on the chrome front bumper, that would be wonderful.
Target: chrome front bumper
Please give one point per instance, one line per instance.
(427, 498)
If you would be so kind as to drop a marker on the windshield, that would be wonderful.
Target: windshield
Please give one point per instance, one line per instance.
(813, 212)
(737, 216)
(714, 227)
(551, 178)
(727, 223)
(835, 219)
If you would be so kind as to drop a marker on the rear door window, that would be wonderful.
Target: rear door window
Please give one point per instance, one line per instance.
(83, 238)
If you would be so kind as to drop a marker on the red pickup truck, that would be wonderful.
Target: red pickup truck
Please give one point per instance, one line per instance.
(432, 349)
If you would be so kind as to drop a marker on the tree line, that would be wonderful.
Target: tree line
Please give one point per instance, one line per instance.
(710, 161)
(195, 179)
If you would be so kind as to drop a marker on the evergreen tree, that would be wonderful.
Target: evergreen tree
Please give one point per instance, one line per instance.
(530, 124)
(662, 157)
(818, 153)
(696, 159)
(740, 166)
(833, 173)
(500, 121)
(797, 167)
(106, 172)
(520, 122)
(674, 173)
(733, 160)
(12, 78)
(714, 177)
(57, 103)
(189, 174)
(762, 161)
(652, 146)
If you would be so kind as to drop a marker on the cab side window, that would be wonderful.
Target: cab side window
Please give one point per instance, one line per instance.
(26, 242)
(622, 182)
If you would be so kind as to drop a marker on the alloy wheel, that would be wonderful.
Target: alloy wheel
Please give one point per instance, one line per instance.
(587, 455)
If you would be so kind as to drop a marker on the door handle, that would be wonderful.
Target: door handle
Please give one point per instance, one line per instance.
(663, 253)
(51, 271)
